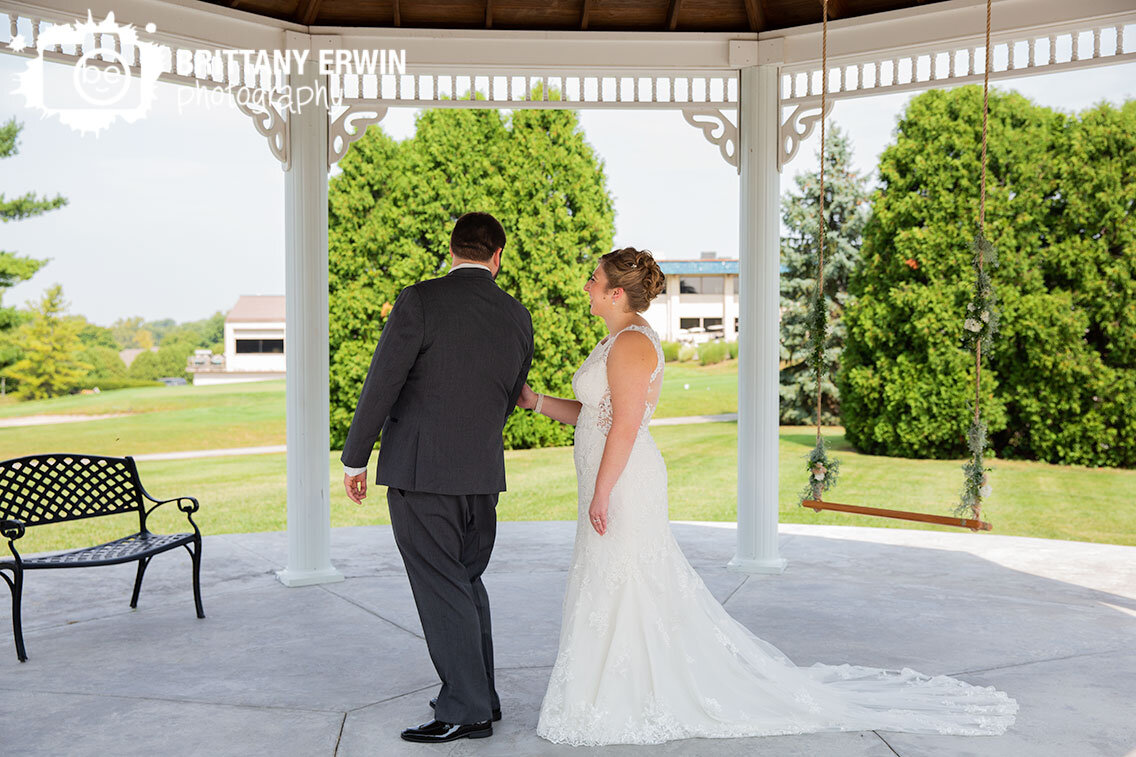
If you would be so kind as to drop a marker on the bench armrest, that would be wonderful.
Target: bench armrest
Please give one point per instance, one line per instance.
(11, 528)
(189, 507)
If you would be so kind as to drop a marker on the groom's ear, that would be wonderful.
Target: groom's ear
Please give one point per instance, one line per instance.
(497, 257)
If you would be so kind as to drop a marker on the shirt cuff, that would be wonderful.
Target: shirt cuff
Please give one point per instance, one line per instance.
(354, 471)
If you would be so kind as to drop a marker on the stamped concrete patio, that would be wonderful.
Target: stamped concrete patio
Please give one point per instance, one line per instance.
(340, 669)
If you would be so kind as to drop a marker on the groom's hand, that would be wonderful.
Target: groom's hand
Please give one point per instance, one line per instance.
(356, 487)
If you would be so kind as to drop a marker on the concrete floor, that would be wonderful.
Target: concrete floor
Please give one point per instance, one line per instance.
(341, 669)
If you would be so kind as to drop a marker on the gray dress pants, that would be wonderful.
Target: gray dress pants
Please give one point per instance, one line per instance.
(445, 541)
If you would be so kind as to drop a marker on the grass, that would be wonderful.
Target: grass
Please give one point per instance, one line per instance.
(174, 419)
(692, 389)
(248, 493)
(162, 419)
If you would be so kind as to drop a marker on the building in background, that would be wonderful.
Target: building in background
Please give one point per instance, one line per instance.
(254, 344)
(700, 302)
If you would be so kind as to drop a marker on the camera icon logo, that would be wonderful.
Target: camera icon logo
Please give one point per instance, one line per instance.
(113, 79)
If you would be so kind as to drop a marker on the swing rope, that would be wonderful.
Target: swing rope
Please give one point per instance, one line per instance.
(976, 508)
(822, 470)
(820, 253)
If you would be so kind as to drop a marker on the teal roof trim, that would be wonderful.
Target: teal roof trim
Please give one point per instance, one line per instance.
(698, 267)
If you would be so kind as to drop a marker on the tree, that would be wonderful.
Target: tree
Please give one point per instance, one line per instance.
(846, 212)
(125, 332)
(104, 361)
(1059, 383)
(93, 335)
(393, 207)
(49, 365)
(15, 268)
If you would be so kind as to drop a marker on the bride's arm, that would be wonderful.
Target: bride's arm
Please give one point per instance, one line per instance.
(556, 408)
(629, 366)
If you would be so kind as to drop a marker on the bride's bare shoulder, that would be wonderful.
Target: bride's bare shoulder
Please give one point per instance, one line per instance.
(630, 349)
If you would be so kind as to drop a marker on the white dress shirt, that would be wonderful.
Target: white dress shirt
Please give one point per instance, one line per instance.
(357, 471)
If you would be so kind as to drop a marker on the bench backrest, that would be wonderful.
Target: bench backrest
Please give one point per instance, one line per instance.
(40, 489)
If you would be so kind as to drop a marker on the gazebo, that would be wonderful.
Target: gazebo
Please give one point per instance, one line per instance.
(744, 72)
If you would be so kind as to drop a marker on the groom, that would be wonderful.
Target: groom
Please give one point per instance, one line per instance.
(447, 371)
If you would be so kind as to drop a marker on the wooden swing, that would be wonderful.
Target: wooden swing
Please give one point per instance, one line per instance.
(976, 523)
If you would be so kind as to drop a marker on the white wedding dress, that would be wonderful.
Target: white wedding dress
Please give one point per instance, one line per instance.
(648, 655)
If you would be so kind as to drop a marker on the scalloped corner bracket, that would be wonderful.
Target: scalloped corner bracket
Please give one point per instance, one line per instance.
(349, 126)
(797, 128)
(269, 118)
(718, 130)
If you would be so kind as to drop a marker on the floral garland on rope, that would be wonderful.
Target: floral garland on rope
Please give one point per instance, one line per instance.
(823, 470)
(979, 328)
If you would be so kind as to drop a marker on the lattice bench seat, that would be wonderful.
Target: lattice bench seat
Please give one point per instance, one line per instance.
(41, 489)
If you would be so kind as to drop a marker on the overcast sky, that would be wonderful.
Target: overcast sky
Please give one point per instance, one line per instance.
(178, 214)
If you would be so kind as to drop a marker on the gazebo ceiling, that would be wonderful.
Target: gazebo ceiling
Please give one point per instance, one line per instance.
(566, 15)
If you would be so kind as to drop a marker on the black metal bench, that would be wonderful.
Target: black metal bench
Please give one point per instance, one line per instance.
(40, 489)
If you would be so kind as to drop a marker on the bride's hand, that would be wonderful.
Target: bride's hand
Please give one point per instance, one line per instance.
(597, 514)
(527, 400)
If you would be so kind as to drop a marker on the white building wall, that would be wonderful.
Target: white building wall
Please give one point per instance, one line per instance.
(235, 362)
(668, 309)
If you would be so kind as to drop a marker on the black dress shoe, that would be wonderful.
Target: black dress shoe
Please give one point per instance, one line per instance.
(437, 732)
(496, 710)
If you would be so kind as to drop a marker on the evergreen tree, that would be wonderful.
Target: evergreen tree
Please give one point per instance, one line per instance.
(15, 268)
(50, 365)
(390, 216)
(846, 212)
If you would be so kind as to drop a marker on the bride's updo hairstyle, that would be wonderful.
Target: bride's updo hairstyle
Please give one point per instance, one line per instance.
(636, 273)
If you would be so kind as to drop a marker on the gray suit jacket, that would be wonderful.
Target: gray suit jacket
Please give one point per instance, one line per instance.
(446, 374)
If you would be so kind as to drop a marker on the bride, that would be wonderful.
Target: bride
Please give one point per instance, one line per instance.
(646, 653)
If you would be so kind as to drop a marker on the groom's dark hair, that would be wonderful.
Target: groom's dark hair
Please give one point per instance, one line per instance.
(476, 236)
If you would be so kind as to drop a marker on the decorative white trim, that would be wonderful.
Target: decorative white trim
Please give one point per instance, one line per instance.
(796, 128)
(718, 130)
(1016, 53)
(349, 126)
(574, 88)
(273, 123)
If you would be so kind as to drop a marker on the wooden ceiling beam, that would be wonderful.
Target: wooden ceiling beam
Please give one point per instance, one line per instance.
(397, 15)
(672, 14)
(584, 14)
(755, 12)
(488, 14)
(306, 12)
(836, 8)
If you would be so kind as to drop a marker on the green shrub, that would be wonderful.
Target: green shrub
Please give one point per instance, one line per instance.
(670, 351)
(687, 352)
(732, 349)
(108, 384)
(1059, 384)
(712, 352)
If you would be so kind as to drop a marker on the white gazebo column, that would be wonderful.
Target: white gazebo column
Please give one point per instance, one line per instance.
(306, 349)
(758, 299)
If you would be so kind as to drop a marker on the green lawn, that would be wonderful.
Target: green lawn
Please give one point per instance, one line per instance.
(173, 419)
(246, 494)
(163, 419)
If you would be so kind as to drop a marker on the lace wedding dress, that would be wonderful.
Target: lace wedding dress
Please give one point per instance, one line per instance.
(648, 655)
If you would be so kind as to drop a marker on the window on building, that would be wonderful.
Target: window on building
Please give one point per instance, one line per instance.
(702, 285)
(712, 324)
(689, 323)
(260, 346)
